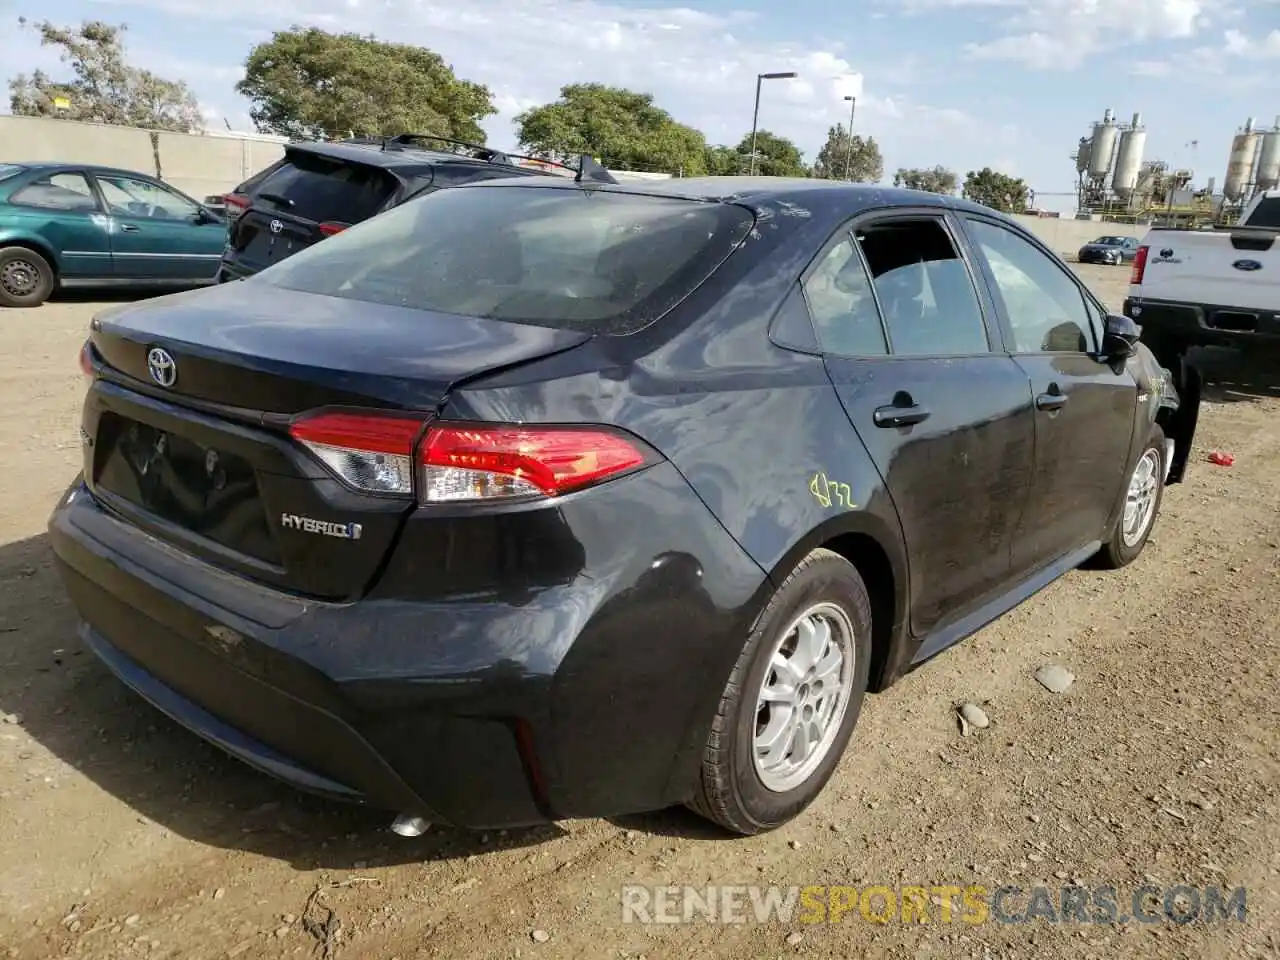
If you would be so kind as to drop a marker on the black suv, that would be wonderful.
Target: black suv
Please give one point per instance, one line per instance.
(319, 189)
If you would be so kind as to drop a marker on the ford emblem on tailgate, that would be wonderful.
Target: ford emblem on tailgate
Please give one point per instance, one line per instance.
(161, 367)
(1247, 265)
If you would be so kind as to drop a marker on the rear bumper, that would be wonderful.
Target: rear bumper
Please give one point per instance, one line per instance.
(1203, 324)
(229, 270)
(592, 698)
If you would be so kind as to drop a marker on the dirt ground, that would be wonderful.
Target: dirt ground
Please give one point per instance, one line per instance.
(123, 836)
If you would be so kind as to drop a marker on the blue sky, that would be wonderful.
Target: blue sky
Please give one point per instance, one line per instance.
(965, 83)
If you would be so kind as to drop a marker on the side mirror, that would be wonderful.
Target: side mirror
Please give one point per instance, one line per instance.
(1120, 337)
(205, 215)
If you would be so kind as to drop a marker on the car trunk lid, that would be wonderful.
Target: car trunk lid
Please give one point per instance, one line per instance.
(187, 428)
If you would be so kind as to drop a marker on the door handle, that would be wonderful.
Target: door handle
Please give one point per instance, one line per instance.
(1051, 401)
(129, 228)
(895, 416)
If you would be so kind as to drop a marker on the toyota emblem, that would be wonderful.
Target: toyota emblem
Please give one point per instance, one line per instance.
(161, 367)
(276, 226)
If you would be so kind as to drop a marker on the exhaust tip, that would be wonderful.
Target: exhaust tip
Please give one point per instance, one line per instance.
(409, 826)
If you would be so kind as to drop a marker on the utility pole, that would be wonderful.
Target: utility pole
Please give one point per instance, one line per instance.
(848, 154)
(755, 117)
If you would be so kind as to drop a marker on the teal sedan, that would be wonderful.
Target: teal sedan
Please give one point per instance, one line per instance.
(66, 225)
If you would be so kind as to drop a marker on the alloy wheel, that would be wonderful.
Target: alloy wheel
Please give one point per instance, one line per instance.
(1140, 502)
(804, 697)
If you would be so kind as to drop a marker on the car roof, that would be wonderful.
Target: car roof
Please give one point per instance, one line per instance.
(70, 165)
(794, 196)
(397, 157)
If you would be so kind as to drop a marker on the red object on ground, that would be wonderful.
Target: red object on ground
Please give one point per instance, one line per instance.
(1221, 459)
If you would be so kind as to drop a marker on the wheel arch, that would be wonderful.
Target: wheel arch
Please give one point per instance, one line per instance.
(876, 550)
(35, 245)
(874, 545)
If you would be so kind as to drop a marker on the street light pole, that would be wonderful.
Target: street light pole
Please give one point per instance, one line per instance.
(848, 154)
(755, 117)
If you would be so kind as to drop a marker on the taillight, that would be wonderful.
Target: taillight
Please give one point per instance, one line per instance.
(1139, 266)
(235, 204)
(458, 463)
(86, 360)
(480, 462)
(330, 227)
(372, 453)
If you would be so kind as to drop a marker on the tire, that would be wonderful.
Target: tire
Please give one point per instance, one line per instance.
(738, 793)
(1167, 349)
(1127, 540)
(26, 278)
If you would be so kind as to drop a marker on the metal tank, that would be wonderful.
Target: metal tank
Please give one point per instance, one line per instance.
(1268, 176)
(1082, 154)
(1104, 143)
(1244, 150)
(1129, 159)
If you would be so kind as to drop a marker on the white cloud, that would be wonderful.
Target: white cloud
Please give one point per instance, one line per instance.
(1061, 34)
(1006, 165)
(1238, 62)
(1238, 44)
(700, 66)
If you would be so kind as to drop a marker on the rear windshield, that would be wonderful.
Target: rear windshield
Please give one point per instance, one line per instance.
(318, 188)
(1266, 213)
(587, 259)
(8, 170)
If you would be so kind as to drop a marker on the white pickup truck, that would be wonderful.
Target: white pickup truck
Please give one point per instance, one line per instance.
(1210, 287)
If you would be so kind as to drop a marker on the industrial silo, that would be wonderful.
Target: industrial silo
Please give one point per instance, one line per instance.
(1104, 143)
(1244, 150)
(1268, 176)
(1082, 154)
(1129, 159)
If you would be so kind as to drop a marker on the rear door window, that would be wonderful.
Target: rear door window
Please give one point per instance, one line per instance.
(318, 188)
(603, 260)
(58, 191)
(924, 289)
(838, 293)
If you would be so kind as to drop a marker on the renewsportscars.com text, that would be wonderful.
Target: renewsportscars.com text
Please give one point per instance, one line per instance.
(971, 904)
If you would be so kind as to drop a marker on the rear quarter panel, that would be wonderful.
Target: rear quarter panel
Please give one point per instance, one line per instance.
(760, 437)
(17, 228)
(756, 430)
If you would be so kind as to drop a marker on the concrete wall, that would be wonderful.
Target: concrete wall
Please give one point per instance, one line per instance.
(1065, 236)
(213, 163)
(197, 164)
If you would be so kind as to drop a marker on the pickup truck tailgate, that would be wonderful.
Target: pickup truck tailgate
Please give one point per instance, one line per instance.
(1239, 270)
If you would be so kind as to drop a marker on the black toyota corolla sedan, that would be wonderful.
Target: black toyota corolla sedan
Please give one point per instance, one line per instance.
(539, 499)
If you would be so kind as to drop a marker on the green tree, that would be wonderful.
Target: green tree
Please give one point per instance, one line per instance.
(845, 157)
(775, 156)
(103, 87)
(724, 161)
(935, 180)
(304, 82)
(622, 128)
(997, 190)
